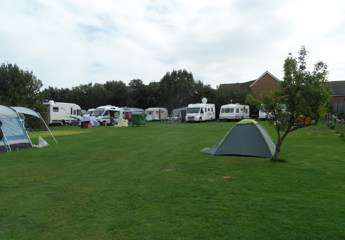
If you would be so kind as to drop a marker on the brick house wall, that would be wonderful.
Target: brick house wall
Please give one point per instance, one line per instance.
(337, 89)
(264, 86)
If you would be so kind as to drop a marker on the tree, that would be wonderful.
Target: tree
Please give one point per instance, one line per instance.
(117, 93)
(18, 87)
(254, 104)
(137, 94)
(303, 95)
(176, 89)
(226, 96)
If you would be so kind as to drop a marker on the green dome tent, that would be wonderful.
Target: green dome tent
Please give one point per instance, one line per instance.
(247, 138)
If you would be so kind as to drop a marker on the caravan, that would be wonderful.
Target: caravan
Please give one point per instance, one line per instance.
(233, 111)
(154, 114)
(63, 113)
(201, 112)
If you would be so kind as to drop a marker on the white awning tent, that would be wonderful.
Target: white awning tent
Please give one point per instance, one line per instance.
(7, 112)
(13, 134)
(26, 111)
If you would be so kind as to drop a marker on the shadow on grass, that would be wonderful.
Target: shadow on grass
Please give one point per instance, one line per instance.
(279, 161)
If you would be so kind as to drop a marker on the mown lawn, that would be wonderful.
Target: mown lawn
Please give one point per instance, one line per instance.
(152, 182)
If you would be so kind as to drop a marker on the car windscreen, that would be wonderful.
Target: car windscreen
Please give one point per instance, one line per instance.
(116, 114)
(98, 112)
(193, 110)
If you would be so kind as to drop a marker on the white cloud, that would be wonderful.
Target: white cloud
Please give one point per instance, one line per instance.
(67, 43)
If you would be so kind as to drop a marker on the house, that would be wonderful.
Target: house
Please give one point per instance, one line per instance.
(337, 89)
(265, 85)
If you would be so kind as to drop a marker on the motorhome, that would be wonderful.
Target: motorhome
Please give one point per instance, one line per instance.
(233, 111)
(105, 114)
(113, 115)
(199, 112)
(60, 113)
(158, 113)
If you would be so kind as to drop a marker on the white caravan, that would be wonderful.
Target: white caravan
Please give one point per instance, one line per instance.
(233, 111)
(62, 113)
(154, 114)
(199, 112)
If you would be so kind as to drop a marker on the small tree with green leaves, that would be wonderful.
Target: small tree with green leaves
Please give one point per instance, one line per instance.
(302, 94)
(254, 104)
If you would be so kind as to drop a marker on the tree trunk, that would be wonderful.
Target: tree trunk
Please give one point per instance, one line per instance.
(276, 156)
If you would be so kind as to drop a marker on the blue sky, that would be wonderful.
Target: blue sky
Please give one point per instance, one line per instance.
(67, 43)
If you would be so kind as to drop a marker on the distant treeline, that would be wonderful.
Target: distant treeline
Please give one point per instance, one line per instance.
(176, 89)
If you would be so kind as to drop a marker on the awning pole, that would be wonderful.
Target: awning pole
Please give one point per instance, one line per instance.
(50, 132)
(7, 146)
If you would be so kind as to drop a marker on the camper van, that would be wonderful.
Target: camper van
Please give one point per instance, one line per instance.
(233, 111)
(154, 114)
(199, 112)
(60, 113)
(113, 115)
(105, 114)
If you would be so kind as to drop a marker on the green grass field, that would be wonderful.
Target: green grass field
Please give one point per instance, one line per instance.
(152, 182)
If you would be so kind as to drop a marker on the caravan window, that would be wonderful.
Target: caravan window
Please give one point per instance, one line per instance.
(193, 110)
(76, 112)
(225, 110)
(55, 109)
(237, 110)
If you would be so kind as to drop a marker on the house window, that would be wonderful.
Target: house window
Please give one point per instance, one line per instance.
(55, 109)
